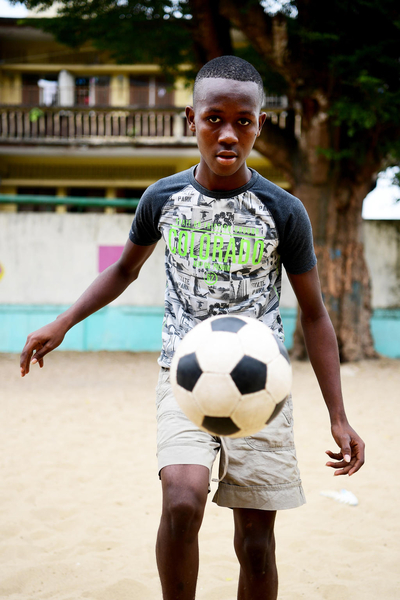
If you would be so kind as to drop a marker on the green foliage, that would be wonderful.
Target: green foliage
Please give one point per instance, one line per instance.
(132, 32)
(336, 155)
(274, 82)
(35, 114)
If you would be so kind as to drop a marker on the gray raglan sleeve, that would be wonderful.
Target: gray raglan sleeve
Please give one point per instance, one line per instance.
(296, 245)
(144, 230)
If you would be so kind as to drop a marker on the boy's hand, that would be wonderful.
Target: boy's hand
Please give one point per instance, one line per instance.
(41, 342)
(351, 456)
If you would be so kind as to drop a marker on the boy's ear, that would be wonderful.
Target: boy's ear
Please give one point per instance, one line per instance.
(261, 121)
(190, 118)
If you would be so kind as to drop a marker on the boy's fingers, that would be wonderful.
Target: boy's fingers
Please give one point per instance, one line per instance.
(335, 455)
(343, 467)
(357, 462)
(35, 360)
(31, 354)
(25, 360)
(343, 460)
(41, 352)
(346, 453)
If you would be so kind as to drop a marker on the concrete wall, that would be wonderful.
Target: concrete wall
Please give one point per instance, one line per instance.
(51, 258)
(382, 250)
(47, 260)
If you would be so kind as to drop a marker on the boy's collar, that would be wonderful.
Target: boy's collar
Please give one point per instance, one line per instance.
(221, 193)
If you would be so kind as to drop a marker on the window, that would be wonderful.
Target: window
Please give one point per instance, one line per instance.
(148, 91)
(164, 93)
(92, 91)
(30, 90)
(39, 90)
(139, 91)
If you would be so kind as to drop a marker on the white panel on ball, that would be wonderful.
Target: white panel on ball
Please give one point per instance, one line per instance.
(188, 404)
(220, 352)
(253, 411)
(222, 389)
(279, 378)
(260, 344)
(195, 337)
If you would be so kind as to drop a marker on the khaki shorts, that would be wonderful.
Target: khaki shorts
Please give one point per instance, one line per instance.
(262, 470)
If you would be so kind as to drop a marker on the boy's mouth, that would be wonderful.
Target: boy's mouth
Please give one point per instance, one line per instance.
(226, 157)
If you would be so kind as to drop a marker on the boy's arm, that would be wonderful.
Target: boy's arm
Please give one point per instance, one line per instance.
(105, 288)
(321, 344)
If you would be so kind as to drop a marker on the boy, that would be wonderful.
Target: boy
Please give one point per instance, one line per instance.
(204, 215)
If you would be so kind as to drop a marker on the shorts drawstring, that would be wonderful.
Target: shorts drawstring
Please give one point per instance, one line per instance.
(226, 456)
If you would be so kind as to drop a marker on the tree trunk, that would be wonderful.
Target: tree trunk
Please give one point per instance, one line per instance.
(335, 213)
(210, 30)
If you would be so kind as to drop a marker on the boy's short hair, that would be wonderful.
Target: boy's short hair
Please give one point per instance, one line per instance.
(230, 67)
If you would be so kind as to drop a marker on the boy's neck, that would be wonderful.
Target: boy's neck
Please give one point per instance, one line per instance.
(218, 183)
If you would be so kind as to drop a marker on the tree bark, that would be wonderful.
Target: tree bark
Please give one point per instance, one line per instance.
(344, 276)
(210, 30)
(333, 193)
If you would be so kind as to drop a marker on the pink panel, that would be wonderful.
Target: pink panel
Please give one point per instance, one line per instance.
(108, 255)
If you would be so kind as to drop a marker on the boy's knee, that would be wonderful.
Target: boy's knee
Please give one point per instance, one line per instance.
(256, 553)
(182, 513)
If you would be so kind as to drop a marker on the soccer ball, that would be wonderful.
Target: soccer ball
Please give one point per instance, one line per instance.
(231, 375)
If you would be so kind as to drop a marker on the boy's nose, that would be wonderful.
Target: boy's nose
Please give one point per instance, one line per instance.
(227, 135)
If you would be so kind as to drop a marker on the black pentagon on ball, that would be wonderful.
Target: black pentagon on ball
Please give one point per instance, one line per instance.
(220, 425)
(276, 411)
(231, 324)
(188, 371)
(249, 375)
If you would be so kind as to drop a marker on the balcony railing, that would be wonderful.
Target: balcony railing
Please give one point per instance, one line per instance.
(94, 126)
(106, 126)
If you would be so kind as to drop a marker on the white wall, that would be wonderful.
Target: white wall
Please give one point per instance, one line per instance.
(382, 251)
(50, 258)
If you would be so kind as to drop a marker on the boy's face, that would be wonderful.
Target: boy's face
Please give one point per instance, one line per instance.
(226, 118)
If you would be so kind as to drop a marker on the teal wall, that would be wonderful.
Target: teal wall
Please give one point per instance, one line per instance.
(385, 327)
(138, 328)
(112, 328)
(131, 328)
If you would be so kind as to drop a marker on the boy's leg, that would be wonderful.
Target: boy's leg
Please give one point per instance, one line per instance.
(255, 549)
(260, 476)
(185, 459)
(185, 489)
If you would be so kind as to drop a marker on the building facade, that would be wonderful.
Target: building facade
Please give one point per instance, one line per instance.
(75, 124)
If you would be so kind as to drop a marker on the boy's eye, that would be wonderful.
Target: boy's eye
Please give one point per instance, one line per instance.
(214, 119)
(244, 122)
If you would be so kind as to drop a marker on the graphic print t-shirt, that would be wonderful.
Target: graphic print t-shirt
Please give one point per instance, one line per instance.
(224, 250)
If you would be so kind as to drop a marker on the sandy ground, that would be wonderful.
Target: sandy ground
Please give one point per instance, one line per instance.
(80, 497)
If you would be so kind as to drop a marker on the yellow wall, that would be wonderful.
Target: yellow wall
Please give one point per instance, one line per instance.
(125, 170)
(183, 93)
(11, 207)
(119, 89)
(10, 88)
